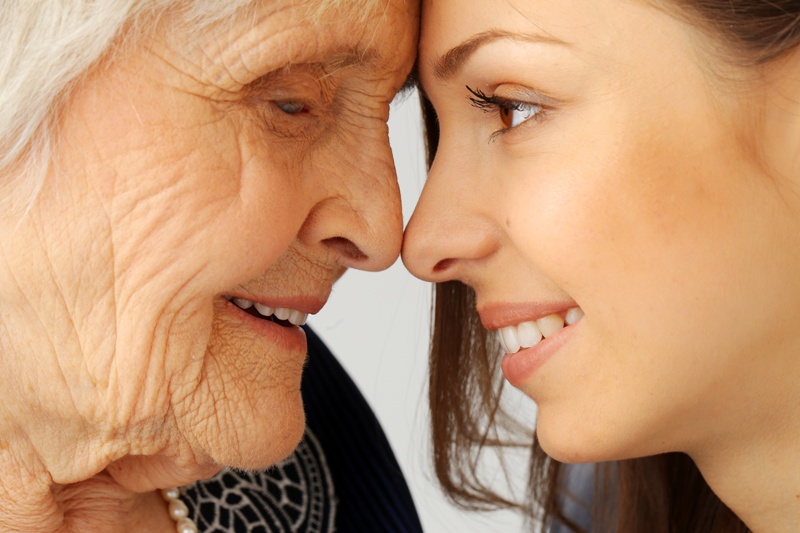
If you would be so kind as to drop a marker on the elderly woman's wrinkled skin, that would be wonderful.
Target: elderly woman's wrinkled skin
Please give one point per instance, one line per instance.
(251, 161)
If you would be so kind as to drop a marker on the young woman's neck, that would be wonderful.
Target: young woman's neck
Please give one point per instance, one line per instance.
(757, 472)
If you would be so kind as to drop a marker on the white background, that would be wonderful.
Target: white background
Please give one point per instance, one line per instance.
(378, 325)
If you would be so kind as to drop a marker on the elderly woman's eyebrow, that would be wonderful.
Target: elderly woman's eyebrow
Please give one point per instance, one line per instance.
(333, 62)
(329, 65)
(452, 61)
(351, 57)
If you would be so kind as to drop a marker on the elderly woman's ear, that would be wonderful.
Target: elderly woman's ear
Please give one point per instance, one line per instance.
(207, 185)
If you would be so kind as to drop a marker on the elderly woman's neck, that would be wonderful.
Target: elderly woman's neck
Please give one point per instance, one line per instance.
(30, 501)
(52, 481)
(26, 498)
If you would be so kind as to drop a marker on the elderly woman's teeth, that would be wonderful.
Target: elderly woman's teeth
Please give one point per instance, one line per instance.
(528, 334)
(293, 316)
(242, 303)
(264, 310)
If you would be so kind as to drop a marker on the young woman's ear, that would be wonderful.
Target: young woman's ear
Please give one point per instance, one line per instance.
(781, 116)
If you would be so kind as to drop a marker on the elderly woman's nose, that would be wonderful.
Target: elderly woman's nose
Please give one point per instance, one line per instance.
(450, 231)
(360, 220)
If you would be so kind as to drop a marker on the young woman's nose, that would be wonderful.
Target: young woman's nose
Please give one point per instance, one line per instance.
(451, 231)
(359, 217)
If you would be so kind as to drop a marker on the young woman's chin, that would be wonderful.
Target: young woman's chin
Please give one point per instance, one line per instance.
(567, 444)
(584, 439)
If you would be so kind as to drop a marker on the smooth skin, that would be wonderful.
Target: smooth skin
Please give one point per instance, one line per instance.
(250, 160)
(656, 185)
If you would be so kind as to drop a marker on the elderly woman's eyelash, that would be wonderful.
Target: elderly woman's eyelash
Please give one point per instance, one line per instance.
(291, 107)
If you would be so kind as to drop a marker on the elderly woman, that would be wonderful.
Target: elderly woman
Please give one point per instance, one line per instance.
(182, 182)
(616, 182)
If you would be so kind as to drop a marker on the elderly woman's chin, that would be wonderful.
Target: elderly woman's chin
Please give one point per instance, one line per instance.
(247, 411)
(244, 410)
(234, 441)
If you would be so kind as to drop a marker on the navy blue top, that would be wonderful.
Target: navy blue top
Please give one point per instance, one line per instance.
(576, 501)
(371, 490)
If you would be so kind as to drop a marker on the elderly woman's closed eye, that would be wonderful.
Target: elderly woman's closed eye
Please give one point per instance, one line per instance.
(181, 187)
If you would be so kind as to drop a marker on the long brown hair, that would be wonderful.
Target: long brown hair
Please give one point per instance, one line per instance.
(659, 494)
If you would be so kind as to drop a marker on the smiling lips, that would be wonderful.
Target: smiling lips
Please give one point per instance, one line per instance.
(529, 333)
(280, 315)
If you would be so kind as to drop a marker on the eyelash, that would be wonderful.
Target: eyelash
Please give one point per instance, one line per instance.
(494, 104)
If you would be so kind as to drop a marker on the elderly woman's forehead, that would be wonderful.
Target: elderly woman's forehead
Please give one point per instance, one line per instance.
(267, 37)
(320, 10)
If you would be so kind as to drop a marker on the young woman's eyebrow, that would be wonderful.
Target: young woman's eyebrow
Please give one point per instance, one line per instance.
(452, 61)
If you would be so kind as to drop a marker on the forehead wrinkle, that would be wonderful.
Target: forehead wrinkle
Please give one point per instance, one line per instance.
(244, 48)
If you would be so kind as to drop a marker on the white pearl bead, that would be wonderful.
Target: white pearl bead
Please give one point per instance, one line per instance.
(178, 510)
(187, 526)
(171, 494)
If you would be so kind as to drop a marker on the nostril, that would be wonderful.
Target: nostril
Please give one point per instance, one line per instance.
(443, 265)
(346, 248)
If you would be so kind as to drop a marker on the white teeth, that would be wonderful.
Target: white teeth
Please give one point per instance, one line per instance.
(528, 334)
(550, 325)
(241, 302)
(509, 339)
(573, 315)
(295, 317)
(263, 310)
(524, 335)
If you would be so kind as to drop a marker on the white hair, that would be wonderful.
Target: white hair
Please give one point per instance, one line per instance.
(50, 45)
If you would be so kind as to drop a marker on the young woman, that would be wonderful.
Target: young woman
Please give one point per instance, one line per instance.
(616, 192)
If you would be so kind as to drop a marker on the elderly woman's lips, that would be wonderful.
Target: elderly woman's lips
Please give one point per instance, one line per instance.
(284, 338)
(280, 315)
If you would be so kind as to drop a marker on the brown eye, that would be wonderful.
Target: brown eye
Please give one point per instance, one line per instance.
(291, 108)
(507, 116)
(512, 114)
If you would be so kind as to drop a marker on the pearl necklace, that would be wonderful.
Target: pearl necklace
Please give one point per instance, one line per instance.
(178, 511)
